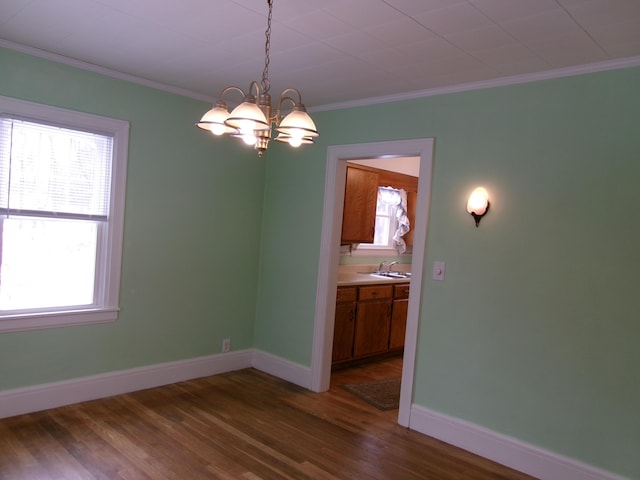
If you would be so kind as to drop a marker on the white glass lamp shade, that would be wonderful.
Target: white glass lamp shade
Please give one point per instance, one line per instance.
(247, 118)
(214, 119)
(297, 126)
(478, 204)
(478, 201)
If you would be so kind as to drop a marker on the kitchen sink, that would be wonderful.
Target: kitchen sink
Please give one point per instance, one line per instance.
(394, 275)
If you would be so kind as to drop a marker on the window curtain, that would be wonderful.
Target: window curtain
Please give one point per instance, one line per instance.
(398, 199)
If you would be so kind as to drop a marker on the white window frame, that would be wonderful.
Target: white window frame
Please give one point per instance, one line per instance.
(108, 266)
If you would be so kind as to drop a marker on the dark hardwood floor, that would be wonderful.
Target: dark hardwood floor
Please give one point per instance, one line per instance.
(239, 425)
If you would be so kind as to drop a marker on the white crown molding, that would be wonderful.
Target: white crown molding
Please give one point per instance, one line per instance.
(491, 83)
(464, 87)
(502, 449)
(72, 62)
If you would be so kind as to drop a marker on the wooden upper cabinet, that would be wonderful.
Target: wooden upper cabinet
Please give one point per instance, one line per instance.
(360, 198)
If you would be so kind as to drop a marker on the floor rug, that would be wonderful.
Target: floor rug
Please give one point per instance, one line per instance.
(382, 394)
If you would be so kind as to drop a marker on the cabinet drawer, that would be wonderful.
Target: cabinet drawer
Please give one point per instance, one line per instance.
(401, 291)
(346, 294)
(375, 292)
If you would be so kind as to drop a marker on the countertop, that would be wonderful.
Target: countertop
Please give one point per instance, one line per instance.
(356, 275)
(349, 279)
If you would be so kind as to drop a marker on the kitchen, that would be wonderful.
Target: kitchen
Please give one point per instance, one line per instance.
(374, 271)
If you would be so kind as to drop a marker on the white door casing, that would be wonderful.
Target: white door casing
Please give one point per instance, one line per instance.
(337, 157)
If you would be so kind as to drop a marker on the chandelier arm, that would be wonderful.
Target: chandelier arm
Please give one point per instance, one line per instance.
(230, 89)
(255, 85)
(295, 90)
(278, 114)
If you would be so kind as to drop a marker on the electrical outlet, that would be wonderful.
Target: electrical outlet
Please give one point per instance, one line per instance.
(226, 345)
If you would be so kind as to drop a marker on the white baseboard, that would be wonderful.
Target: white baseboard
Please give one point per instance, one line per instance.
(51, 395)
(502, 449)
(281, 368)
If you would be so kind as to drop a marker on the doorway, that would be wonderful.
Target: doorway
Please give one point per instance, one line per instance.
(337, 157)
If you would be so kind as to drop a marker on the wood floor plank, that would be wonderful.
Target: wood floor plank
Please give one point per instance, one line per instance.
(240, 425)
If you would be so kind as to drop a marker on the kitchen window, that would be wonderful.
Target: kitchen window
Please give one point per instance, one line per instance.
(391, 224)
(62, 185)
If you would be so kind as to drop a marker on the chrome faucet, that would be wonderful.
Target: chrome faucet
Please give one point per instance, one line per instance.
(385, 267)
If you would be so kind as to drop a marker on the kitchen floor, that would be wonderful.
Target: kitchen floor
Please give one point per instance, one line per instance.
(382, 369)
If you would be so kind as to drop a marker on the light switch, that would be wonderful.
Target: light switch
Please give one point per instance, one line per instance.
(438, 271)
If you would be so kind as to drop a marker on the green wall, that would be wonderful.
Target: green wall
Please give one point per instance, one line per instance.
(191, 242)
(534, 333)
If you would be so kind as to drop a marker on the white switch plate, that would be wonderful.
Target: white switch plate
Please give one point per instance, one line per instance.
(438, 271)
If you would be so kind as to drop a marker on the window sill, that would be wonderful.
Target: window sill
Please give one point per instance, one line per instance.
(38, 321)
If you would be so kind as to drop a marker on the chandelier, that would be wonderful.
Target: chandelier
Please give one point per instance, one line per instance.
(252, 120)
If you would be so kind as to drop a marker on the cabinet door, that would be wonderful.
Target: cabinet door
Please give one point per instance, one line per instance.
(399, 316)
(398, 324)
(360, 199)
(343, 331)
(373, 320)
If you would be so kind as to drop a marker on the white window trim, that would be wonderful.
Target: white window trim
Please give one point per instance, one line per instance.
(109, 309)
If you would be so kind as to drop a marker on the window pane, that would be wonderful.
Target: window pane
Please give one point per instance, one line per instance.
(382, 206)
(381, 236)
(54, 169)
(47, 263)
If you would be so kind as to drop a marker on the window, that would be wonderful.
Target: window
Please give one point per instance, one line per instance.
(62, 184)
(391, 222)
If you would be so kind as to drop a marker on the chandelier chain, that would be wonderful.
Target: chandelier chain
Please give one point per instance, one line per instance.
(267, 46)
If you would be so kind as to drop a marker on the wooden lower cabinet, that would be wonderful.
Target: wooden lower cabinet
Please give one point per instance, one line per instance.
(344, 326)
(369, 320)
(372, 328)
(399, 316)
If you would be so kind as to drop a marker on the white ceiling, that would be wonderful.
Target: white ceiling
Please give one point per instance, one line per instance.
(333, 51)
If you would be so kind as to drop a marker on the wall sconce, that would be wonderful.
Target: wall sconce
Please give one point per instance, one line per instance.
(478, 204)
